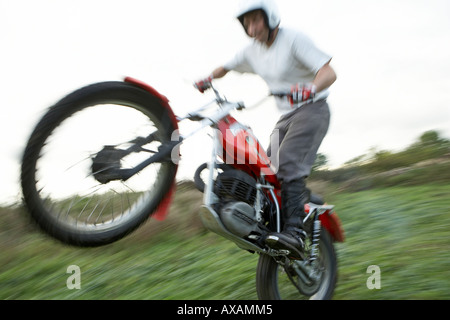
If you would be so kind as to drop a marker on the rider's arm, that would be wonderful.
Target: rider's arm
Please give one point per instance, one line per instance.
(219, 73)
(325, 77)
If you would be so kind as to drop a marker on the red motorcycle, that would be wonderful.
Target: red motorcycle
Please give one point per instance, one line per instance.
(104, 159)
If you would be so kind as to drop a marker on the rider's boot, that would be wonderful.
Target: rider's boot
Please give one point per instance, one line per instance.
(294, 195)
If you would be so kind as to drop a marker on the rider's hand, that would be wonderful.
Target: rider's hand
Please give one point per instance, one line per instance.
(203, 84)
(300, 93)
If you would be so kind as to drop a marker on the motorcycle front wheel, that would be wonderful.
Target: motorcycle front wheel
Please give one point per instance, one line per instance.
(283, 279)
(65, 175)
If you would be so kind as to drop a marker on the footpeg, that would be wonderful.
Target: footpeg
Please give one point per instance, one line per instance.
(278, 252)
(283, 252)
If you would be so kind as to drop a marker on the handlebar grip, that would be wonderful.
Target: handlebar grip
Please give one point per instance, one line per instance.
(204, 84)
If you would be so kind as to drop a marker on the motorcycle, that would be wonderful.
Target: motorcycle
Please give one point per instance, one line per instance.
(104, 159)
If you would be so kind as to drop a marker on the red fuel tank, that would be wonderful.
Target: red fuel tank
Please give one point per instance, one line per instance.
(242, 150)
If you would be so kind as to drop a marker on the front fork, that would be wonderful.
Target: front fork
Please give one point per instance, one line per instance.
(209, 197)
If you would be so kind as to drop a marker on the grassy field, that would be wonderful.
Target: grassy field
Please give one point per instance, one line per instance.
(402, 230)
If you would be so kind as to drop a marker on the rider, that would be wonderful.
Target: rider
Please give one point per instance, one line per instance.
(289, 62)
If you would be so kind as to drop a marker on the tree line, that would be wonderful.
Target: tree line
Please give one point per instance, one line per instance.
(429, 146)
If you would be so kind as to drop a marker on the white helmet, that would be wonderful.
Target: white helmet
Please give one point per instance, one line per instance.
(267, 6)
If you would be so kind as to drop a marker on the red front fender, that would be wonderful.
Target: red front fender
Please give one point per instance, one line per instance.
(163, 208)
(155, 93)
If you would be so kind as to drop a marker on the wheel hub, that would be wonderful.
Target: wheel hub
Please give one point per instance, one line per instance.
(106, 164)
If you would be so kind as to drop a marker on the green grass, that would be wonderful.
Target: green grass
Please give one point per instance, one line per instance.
(169, 269)
(403, 230)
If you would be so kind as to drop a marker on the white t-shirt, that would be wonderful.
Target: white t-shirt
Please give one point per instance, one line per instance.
(292, 58)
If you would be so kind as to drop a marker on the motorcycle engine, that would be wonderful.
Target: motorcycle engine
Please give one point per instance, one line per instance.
(237, 193)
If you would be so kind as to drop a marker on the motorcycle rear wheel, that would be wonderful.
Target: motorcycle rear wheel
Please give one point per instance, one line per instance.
(61, 174)
(273, 283)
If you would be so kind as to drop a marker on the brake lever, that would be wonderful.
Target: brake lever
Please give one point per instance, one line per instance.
(195, 117)
(280, 94)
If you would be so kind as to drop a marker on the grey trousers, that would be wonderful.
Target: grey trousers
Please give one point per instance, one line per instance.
(297, 137)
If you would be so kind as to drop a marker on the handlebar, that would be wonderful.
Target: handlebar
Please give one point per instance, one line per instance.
(225, 109)
(225, 104)
(209, 85)
(206, 84)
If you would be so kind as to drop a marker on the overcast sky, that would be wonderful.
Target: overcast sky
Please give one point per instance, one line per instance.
(392, 58)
